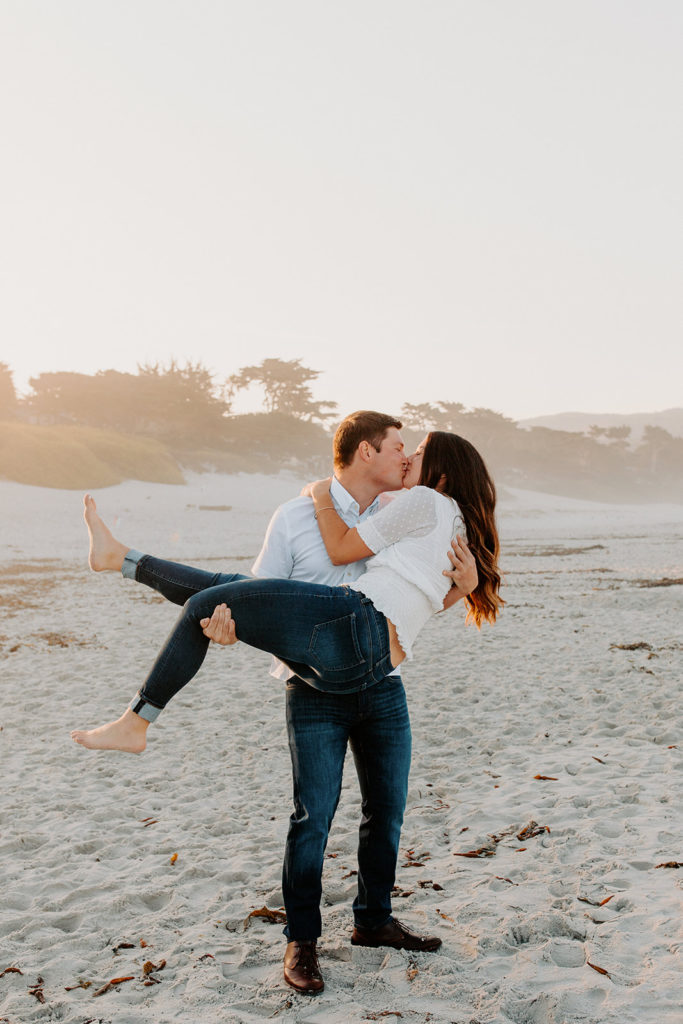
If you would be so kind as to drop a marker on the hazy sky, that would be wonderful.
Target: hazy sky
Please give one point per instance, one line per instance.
(474, 200)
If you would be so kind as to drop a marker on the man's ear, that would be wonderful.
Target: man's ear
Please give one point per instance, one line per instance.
(364, 450)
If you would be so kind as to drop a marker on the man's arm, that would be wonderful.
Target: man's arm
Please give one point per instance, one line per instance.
(464, 574)
(274, 559)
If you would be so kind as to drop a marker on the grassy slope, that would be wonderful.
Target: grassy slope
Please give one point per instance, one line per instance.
(74, 457)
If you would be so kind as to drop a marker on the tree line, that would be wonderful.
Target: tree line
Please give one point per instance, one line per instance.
(177, 401)
(600, 464)
(187, 408)
(191, 411)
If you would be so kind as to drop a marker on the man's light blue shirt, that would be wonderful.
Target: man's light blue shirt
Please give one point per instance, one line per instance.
(293, 548)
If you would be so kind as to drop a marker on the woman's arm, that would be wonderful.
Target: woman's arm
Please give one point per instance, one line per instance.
(341, 541)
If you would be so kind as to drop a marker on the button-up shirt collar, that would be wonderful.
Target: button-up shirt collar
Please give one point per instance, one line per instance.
(347, 506)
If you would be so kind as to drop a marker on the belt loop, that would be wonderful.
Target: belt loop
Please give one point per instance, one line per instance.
(368, 631)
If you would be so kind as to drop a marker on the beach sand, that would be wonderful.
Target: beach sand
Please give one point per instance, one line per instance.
(566, 714)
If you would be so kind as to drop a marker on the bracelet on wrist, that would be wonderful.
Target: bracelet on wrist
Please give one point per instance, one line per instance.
(326, 508)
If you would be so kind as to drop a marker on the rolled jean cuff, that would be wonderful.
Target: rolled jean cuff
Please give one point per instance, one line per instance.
(130, 563)
(142, 707)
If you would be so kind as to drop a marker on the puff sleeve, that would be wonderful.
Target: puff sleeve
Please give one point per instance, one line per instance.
(412, 513)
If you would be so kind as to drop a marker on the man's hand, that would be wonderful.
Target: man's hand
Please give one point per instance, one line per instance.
(220, 627)
(463, 575)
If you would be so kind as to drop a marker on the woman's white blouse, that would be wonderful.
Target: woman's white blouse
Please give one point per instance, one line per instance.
(410, 539)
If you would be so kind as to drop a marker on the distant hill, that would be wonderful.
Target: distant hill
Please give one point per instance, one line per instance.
(668, 419)
(78, 458)
(73, 456)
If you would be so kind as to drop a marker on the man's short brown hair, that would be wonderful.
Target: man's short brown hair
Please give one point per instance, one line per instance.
(360, 426)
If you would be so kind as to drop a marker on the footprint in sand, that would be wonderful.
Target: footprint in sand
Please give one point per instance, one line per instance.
(565, 953)
(155, 901)
(68, 924)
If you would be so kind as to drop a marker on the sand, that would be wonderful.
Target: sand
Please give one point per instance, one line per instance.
(111, 862)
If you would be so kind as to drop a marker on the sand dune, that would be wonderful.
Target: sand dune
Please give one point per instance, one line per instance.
(565, 916)
(73, 456)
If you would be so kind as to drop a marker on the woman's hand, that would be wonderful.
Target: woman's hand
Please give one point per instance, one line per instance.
(318, 489)
(463, 576)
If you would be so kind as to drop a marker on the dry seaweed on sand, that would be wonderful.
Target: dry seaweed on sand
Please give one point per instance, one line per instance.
(531, 830)
(600, 970)
(639, 645)
(489, 850)
(665, 582)
(112, 984)
(414, 860)
(272, 916)
(37, 990)
(398, 892)
(148, 969)
(55, 640)
(595, 903)
(20, 569)
(123, 945)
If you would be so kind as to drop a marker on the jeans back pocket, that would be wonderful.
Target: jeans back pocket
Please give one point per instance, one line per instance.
(334, 645)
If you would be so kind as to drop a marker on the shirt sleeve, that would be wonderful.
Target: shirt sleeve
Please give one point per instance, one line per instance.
(412, 513)
(275, 559)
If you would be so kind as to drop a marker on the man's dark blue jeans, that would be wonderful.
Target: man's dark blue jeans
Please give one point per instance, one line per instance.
(375, 722)
(372, 718)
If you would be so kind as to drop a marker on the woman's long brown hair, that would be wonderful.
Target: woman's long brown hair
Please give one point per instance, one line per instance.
(453, 463)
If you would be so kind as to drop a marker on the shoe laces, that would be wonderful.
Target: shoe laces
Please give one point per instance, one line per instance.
(307, 960)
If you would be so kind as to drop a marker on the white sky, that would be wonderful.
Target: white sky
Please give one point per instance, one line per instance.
(474, 200)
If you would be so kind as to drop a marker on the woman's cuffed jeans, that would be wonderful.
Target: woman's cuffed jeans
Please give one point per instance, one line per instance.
(331, 637)
(177, 583)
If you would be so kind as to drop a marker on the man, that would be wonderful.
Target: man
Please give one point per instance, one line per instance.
(369, 459)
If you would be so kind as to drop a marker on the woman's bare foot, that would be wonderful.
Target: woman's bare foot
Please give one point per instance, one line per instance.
(106, 552)
(128, 733)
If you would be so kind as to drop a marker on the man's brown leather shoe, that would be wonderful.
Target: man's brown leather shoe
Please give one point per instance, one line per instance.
(302, 970)
(396, 935)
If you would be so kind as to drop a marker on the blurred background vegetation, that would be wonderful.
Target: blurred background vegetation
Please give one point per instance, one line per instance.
(79, 431)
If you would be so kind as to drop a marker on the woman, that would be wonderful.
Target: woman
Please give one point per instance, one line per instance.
(346, 638)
